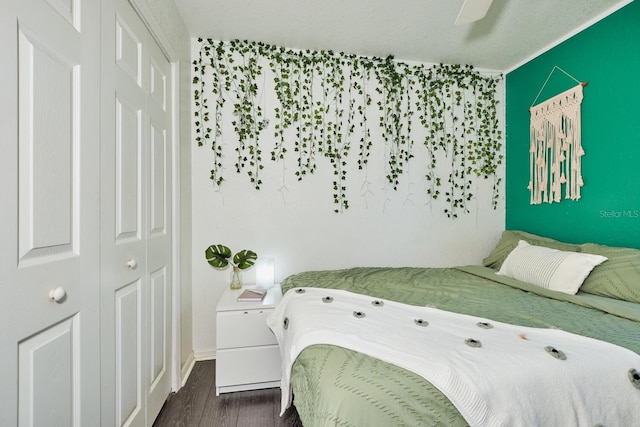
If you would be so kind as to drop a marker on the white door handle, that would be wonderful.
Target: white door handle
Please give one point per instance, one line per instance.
(132, 264)
(57, 295)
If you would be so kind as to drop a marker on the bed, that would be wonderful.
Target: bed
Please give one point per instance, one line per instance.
(332, 385)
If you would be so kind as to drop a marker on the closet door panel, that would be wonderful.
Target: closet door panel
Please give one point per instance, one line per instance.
(49, 392)
(128, 348)
(47, 164)
(128, 170)
(49, 224)
(136, 201)
(124, 209)
(159, 226)
(158, 316)
(158, 181)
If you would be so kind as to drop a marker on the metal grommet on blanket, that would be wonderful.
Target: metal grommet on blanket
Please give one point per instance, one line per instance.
(285, 324)
(634, 377)
(484, 325)
(420, 322)
(473, 343)
(327, 299)
(555, 353)
(358, 314)
(377, 303)
(300, 291)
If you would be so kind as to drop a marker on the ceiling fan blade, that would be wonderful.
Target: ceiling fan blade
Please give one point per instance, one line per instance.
(472, 10)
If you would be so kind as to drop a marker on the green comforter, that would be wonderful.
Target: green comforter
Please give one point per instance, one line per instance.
(334, 386)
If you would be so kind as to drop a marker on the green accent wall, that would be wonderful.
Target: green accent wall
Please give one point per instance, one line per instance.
(607, 55)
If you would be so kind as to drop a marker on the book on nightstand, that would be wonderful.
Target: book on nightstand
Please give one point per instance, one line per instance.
(252, 295)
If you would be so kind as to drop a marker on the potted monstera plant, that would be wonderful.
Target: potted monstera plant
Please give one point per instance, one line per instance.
(220, 256)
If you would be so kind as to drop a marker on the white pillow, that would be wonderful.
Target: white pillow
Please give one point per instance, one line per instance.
(549, 268)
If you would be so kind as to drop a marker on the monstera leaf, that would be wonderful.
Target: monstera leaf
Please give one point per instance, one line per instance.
(245, 259)
(219, 256)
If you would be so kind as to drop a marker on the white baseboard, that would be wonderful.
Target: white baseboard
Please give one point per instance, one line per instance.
(195, 356)
(204, 354)
(186, 369)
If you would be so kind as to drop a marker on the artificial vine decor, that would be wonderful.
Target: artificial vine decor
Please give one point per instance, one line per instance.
(326, 100)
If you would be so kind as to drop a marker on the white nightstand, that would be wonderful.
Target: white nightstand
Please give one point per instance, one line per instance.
(247, 353)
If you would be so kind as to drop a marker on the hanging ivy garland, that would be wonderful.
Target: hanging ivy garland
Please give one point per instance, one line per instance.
(324, 100)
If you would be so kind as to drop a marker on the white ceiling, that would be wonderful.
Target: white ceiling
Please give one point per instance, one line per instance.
(512, 32)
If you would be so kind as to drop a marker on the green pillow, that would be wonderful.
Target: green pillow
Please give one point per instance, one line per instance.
(619, 277)
(509, 241)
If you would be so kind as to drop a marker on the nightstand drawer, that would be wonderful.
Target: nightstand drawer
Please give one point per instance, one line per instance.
(243, 328)
(247, 366)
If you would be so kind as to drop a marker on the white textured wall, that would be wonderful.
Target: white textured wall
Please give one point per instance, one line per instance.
(294, 223)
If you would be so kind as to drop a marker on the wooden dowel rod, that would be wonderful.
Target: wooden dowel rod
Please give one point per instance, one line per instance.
(583, 84)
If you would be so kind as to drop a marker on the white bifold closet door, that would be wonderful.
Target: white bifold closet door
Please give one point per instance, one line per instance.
(136, 220)
(49, 216)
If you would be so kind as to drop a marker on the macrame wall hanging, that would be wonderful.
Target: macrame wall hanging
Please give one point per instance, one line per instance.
(555, 149)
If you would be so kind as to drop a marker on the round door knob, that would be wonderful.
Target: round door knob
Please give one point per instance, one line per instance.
(132, 264)
(57, 295)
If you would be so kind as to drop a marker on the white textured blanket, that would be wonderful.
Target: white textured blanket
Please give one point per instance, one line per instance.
(494, 373)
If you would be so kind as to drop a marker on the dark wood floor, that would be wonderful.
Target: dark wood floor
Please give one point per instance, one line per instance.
(196, 404)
